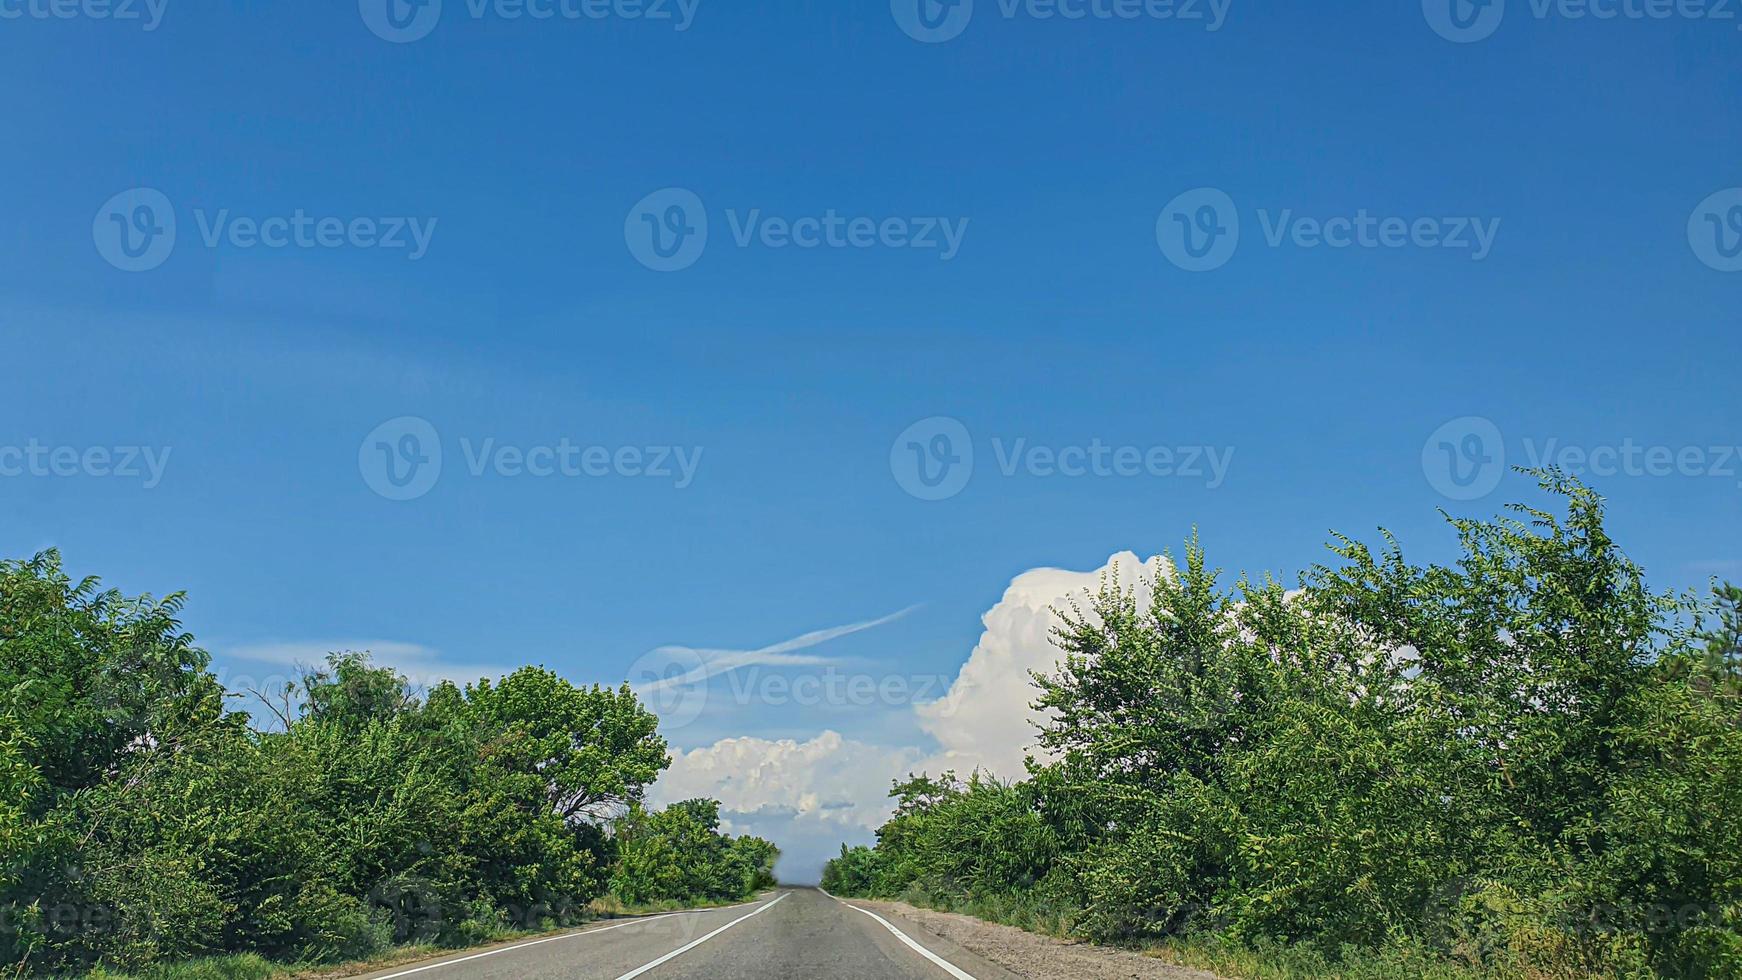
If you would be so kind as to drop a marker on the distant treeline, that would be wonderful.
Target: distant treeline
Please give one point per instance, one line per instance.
(1522, 764)
(144, 820)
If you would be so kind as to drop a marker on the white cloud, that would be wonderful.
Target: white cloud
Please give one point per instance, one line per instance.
(985, 720)
(809, 796)
(828, 778)
(421, 665)
(699, 665)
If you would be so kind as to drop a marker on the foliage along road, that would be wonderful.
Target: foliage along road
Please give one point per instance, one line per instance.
(794, 933)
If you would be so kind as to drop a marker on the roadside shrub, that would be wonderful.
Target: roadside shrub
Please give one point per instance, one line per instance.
(145, 823)
(1524, 763)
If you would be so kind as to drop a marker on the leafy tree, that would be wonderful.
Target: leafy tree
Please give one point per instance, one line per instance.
(596, 748)
(351, 693)
(88, 676)
(143, 823)
(1525, 761)
(679, 855)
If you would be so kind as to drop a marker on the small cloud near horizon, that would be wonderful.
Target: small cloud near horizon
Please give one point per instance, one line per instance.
(419, 664)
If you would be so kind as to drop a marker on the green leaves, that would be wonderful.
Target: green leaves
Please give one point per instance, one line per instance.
(677, 855)
(141, 822)
(1524, 762)
(87, 675)
(597, 748)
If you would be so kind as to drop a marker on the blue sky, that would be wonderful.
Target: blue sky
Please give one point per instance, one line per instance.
(1057, 150)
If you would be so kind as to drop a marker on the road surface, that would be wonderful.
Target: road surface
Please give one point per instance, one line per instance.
(790, 934)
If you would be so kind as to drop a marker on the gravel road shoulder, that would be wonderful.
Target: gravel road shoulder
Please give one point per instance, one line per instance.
(1033, 956)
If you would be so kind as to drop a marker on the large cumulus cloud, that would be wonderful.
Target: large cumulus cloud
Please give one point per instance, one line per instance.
(810, 796)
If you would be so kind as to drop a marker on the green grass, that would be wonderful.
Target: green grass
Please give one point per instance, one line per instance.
(1307, 963)
(611, 907)
(244, 966)
(1226, 959)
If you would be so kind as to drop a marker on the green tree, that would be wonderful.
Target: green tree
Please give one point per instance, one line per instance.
(596, 748)
(1524, 762)
(679, 855)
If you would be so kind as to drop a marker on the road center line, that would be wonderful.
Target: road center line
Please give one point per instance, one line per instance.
(942, 964)
(551, 939)
(674, 954)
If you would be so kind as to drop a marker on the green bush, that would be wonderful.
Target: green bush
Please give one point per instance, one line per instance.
(1521, 764)
(678, 855)
(145, 824)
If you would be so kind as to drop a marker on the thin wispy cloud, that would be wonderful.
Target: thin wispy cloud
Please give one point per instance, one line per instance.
(709, 663)
(421, 665)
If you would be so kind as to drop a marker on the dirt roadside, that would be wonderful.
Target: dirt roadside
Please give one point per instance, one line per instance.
(1032, 956)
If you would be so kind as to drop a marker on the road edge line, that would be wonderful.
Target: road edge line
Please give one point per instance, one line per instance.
(674, 954)
(938, 961)
(576, 934)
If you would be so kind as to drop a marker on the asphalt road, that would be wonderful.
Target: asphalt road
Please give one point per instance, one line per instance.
(791, 934)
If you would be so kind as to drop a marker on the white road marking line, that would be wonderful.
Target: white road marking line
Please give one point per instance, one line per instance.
(674, 954)
(942, 964)
(552, 939)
